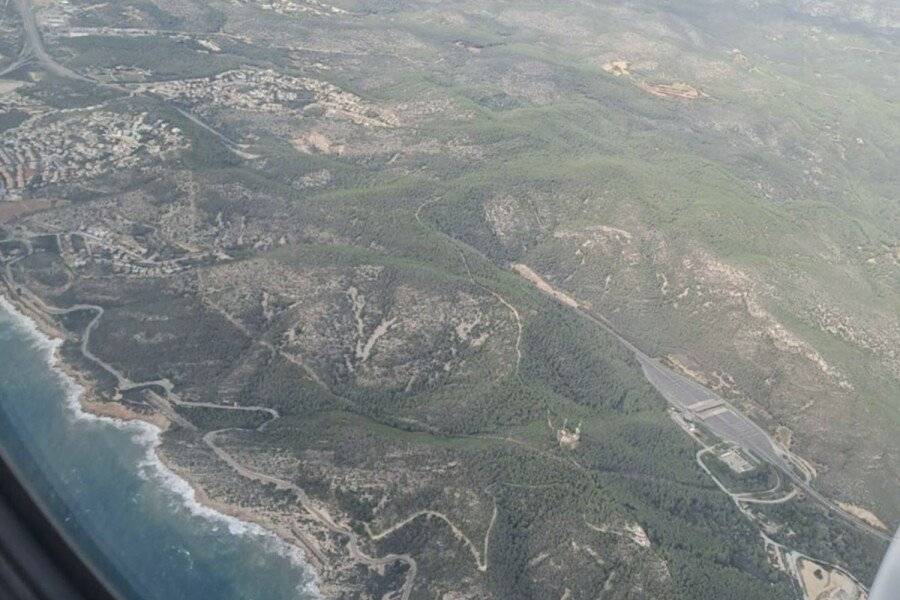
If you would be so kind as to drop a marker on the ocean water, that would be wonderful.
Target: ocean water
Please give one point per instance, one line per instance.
(133, 517)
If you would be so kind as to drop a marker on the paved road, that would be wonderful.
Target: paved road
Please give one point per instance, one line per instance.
(34, 50)
(730, 425)
(682, 392)
(34, 44)
(313, 509)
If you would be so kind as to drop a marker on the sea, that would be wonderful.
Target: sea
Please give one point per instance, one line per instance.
(137, 521)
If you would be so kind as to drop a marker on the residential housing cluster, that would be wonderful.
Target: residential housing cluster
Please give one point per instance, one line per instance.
(270, 91)
(80, 145)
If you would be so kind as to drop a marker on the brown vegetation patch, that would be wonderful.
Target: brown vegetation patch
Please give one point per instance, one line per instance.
(863, 514)
(673, 90)
(617, 67)
(11, 210)
(314, 142)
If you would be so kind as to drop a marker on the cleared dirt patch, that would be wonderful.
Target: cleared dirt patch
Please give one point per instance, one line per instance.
(314, 142)
(617, 67)
(526, 272)
(20, 208)
(820, 583)
(863, 514)
(673, 90)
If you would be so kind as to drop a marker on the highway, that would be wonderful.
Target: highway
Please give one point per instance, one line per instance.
(678, 390)
(728, 424)
(33, 49)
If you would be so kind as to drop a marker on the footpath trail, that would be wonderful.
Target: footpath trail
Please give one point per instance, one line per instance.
(460, 249)
(481, 559)
(313, 509)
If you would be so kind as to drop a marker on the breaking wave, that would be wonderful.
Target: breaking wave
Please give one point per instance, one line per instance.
(148, 437)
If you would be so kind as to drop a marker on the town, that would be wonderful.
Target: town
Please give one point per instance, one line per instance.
(78, 145)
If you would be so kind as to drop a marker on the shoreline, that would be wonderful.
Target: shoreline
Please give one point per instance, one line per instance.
(84, 401)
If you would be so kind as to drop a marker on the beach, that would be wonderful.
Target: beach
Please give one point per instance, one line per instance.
(99, 464)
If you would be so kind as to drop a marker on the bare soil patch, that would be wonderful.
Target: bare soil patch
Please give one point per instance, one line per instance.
(863, 514)
(673, 90)
(20, 208)
(617, 67)
(526, 272)
(820, 583)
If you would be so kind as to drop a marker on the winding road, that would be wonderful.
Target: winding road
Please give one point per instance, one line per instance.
(789, 558)
(678, 390)
(731, 425)
(313, 509)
